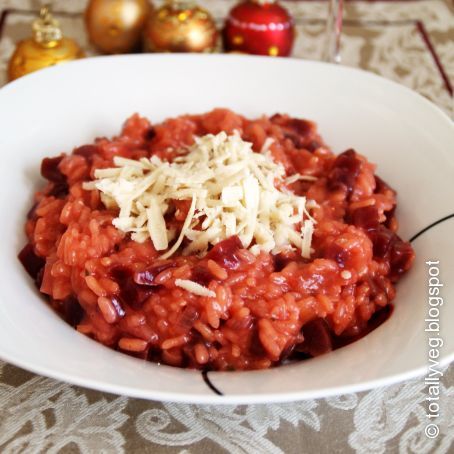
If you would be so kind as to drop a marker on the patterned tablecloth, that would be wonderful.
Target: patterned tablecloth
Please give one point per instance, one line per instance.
(411, 42)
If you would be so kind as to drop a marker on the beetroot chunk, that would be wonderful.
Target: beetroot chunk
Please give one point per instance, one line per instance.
(345, 171)
(32, 211)
(72, 311)
(317, 338)
(389, 246)
(382, 239)
(32, 263)
(201, 275)
(148, 276)
(87, 151)
(59, 190)
(225, 253)
(132, 294)
(50, 170)
(366, 217)
(402, 256)
(299, 131)
(381, 187)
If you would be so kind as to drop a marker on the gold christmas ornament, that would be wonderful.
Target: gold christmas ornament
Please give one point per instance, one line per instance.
(115, 26)
(180, 26)
(47, 47)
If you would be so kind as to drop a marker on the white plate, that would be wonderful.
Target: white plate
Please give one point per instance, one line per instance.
(410, 139)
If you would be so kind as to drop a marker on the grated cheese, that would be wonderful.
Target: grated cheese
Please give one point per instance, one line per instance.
(306, 233)
(194, 287)
(233, 191)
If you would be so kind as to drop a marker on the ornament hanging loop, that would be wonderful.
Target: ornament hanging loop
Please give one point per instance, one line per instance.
(46, 29)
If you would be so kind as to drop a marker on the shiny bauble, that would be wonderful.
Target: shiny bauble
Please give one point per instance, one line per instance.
(116, 26)
(180, 26)
(47, 47)
(30, 56)
(259, 27)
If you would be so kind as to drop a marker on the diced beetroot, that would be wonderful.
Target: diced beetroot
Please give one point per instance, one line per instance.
(72, 311)
(32, 263)
(382, 239)
(32, 211)
(317, 338)
(344, 172)
(277, 118)
(402, 256)
(148, 276)
(378, 286)
(379, 317)
(381, 187)
(389, 245)
(131, 293)
(59, 190)
(50, 170)
(121, 273)
(366, 217)
(299, 131)
(256, 346)
(39, 278)
(302, 127)
(87, 151)
(299, 126)
(282, 259)
(225, 253)
(201, 275)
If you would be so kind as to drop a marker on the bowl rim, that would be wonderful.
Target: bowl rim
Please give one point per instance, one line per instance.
(224, 399)
(223, 56)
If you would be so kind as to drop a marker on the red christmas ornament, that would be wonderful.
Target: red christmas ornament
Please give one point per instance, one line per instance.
(259, 27)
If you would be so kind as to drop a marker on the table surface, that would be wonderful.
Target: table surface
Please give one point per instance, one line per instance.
(411, 42)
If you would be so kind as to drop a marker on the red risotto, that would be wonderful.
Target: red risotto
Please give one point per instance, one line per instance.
(258, 308)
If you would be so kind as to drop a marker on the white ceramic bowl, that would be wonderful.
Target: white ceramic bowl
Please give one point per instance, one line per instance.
(410, 139)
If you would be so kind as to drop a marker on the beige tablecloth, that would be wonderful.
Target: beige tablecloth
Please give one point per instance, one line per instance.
(411, 42)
